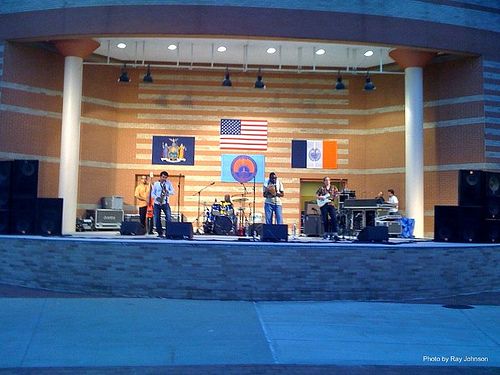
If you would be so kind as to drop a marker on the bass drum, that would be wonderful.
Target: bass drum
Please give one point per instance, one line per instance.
(223, 225)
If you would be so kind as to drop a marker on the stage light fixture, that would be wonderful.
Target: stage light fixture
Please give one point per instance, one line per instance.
(339, 85)
(259, 83)
(124, 75)
(369, 86)
(227, 80)
(148, 78)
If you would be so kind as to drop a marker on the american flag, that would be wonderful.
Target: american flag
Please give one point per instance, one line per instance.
(243, 134)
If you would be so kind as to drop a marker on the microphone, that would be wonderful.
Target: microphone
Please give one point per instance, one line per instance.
(213, 183)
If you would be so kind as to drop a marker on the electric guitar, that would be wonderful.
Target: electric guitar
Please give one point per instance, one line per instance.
(322, 201)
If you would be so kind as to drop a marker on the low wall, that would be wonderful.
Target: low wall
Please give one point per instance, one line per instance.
(248, 271)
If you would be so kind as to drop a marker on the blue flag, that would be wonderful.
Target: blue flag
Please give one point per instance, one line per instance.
(242, 168)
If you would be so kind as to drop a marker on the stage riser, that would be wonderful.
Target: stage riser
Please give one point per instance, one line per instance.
(248, 271)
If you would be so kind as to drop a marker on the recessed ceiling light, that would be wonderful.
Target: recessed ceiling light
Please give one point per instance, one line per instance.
(221, 49)
(321, 51)
(271, 50)
(172, 47)
(121, 45)
(368, 53)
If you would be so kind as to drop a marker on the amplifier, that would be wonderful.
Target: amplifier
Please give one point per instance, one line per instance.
(108, 219)
(114, 202)
(393, 226)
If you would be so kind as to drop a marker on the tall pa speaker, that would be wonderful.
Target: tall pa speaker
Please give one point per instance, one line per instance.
(5, 179)
(491, 201)
(274, 233)
(179, 231)
(23, 215)
(458, 224)
(49, 216)
(374, 234)
(24, 179)
(470, 188)
(132, 228)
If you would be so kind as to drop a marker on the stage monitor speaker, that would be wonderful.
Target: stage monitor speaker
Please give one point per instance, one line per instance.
(274, 233)
(491, 201)
(491, 233)
(470, 188)
(25, 179)
(179, 231)
(132, 228)
(23, 216)
(374, 234)
(458, 223)
(49, 216)
(4, 222)
(5, 179)
(313, 226)
(257, 228)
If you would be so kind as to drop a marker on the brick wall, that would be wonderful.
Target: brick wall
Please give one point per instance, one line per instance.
(248, 271)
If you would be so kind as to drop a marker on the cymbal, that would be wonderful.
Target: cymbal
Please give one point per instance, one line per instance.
(242, 199)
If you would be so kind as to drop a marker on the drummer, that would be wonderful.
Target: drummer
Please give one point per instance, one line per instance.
(273, 190)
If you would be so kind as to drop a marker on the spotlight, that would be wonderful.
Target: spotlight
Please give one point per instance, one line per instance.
(148, 78)
(369, 86)
(227, 80)
(124, 75)
(339, 85)
(259, 84)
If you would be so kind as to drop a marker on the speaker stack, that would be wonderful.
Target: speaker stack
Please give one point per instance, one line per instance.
(21, 211)
(477, 216)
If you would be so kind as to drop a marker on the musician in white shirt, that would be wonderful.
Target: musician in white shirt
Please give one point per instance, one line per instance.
(393, 200)
(273, 191)
(160, 192)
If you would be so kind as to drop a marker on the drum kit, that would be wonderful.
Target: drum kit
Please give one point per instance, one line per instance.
(221, 218)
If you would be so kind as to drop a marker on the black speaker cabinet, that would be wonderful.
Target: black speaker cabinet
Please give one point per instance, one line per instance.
(179, 231)
(257, 228)
(374, 234)
(458, 223)
(313, 225)
(49, 216)
(274, 233)
(23, 216)
(5, 179)
(470, 188)
(25, 179)
(491, 231)
(491, 202)
(132, 228)
(4, 222)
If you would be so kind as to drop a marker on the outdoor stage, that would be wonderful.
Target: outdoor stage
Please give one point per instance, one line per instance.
(235, 268)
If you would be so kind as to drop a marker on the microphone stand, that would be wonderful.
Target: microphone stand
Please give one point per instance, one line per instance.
(253, 212)
(179, 198)
(199, 203)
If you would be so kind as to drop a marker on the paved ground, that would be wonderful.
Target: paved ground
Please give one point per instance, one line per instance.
(45, 333)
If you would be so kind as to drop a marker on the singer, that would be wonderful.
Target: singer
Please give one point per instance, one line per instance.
(160, 192)
(273, 191)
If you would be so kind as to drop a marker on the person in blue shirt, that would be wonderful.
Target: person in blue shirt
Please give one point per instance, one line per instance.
(160, 194)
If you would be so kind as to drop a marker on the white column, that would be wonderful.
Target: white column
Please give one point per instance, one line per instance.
(414, 151)
(70, 141)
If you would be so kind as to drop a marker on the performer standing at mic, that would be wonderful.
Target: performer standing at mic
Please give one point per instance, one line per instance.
(273, 190)
(162, 189)
(325, 196)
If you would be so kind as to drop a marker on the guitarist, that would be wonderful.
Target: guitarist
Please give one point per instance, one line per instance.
(142, 194)
(160, 192)
(325, 197)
